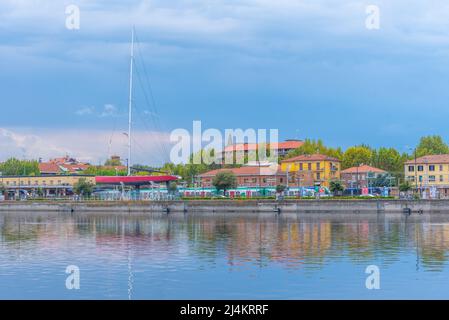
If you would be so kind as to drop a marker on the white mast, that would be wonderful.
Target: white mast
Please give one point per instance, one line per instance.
(130, 102)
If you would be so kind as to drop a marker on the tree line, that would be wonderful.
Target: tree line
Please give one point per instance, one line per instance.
(386, 158)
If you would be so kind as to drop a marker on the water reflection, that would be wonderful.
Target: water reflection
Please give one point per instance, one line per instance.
(289, 241)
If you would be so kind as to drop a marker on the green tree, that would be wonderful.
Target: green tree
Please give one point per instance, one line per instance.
(172, 187)
(280, 188)
(388, 159)
(431, 145)
(405, 186)
(224, 180)
(40, 192)
(336, 186)
(113, 162)
(102, 171)
(313, 147)
(16, 167)
(357, 155)
(83, 187)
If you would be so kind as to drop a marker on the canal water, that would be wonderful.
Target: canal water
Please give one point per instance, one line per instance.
(223, 256)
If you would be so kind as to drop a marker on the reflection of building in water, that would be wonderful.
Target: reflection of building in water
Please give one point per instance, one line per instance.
(240, 239)
(286, 242)
(433, 241)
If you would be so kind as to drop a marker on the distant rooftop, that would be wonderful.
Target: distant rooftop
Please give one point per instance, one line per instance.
(433, 159)
(363, 169)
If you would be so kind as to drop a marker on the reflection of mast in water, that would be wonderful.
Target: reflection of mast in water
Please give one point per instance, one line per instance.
(130, 275)
(417, 246)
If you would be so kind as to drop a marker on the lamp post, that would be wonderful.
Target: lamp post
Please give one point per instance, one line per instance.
(415, 170)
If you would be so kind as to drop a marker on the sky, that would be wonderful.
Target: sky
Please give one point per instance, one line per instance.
(309, 68)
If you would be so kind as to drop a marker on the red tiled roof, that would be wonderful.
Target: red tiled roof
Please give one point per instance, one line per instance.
(241, 147)
(48, 167)
(436, 158)
(75, 167)
(246, 171)
(363, 169)
(311, 157)
(293, 144)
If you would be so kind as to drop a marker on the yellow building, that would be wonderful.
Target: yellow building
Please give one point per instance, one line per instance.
(429, 171)
(49, 184)
(312, 169)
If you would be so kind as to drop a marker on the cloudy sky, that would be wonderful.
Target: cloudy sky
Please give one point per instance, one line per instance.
(309, 68)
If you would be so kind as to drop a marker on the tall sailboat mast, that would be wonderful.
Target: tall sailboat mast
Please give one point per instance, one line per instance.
(130, 102)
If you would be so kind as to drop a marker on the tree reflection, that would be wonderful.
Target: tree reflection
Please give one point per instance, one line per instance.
(291, 241)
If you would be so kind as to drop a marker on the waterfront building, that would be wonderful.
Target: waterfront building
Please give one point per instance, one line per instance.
(68, 165)
(49, 185)
(281, 148)
(429, 172)
(65, 165)
(311, 170)
(249, 176)
(360, 176)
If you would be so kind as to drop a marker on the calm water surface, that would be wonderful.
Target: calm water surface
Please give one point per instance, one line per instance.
(223, 256)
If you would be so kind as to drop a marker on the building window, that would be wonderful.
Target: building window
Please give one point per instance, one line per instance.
(431, 168)
(441, 167)
(318, 166)
(441, 178)
(411, 168)
(309, 166)
(420, 178)
(301, 166)
(411, 178)
(420, 168)
(431, 178)
(318, 176)
(254, 180)
(281, 180)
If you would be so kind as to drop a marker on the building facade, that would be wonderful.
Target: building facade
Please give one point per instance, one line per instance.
(311, 170)
(361, 176)
(427, 172)
(281, 148)
(49, 185)
(248, 176)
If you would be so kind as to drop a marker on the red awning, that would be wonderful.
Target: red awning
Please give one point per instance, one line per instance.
(134, 180)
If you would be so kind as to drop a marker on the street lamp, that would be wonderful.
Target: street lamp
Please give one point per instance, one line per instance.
(416, 170)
